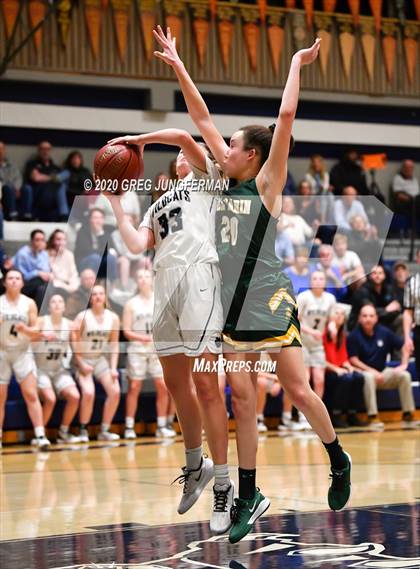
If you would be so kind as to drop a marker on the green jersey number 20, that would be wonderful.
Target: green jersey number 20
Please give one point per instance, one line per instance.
(229, 230)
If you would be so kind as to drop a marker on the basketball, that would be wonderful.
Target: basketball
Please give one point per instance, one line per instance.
(117, 162)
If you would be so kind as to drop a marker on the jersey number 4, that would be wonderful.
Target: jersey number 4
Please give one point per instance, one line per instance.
(171, 225)
(229, 230)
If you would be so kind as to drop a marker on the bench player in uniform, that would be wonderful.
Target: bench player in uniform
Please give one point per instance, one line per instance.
(141, 357)
(259, 308)
(18, 315)
(51, 348)
(316, 308)
(96, 349)
(187, 318)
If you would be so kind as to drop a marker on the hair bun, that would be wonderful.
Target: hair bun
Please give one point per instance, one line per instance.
(272, 127)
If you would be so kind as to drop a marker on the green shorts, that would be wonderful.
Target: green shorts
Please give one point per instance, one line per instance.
(262, 317)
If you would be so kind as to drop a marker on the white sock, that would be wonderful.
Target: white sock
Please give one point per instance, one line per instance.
(193, 457)
(170, 419)
(64, 429)
(104, 428)
(129, 422)
(287, 415)
(221, 474)
(161, 422)
(39, 432)
(260, 418)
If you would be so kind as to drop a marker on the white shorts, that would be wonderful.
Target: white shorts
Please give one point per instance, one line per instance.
(100, 366)
(19, 363)
(140, 365)
(58, 381)
(314, 356)
(188, 314)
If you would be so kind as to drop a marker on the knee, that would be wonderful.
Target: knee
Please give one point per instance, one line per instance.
(406, 377)
(114, 391)
(88, 394)
(300, 396)
(134, 388)
(73, 397)
(50, 399)
(243, 403)
(207, 389)
(30, 396)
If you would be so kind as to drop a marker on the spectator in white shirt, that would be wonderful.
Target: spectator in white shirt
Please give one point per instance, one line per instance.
(130, 204)
(346, 207)
(348, 262)
(293, 225)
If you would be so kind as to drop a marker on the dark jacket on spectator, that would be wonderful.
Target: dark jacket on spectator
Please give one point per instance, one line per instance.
(76, 181)
(86, 244)
(367, 293)
(44, 195)
(348, 173)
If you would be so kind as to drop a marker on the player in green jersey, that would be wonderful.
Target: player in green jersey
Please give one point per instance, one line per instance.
(257, 159)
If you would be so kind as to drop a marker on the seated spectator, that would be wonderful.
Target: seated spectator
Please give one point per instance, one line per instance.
(15, 196)
(63, 266)
(79, 300)
(346, 382)
(293, 225)
(405, 188)
(307, 204)
(284, 248)
(299, 273)
(348, 172)
(335, 283)
(75, 174)
(130, 204)
(363, 241)
(49, 192)
(346, 208)
(91, 247)
(319, 180)
(5, 265)
(348, 262)
(125, 258)
(400, 277)
(33, 262)
(369, 346)
(1, 222)
(379, 293)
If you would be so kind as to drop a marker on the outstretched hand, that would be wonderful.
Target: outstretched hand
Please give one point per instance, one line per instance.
(129, 139)
(308, 56)
(168, 44)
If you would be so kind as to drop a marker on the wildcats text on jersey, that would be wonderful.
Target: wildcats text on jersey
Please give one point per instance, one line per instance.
(175, 195)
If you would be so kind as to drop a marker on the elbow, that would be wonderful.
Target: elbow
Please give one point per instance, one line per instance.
(287, 113)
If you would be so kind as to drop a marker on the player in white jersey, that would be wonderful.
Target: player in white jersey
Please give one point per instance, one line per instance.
(141, 357)
(188, 315)
(96, 350)
(316, 308)
(18, 315)
(51, 349)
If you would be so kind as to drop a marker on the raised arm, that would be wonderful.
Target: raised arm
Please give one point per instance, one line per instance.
(137, 241)
(193, 152)
(272, 176)
(196, 105)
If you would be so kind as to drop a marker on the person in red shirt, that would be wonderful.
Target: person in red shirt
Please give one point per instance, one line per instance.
(347, 383)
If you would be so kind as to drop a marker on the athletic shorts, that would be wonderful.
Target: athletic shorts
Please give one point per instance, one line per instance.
(21, 364)
(265, 317)
(314, 356)
(188, 315)
(140, 365)
(58, 381)
(100, 366)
